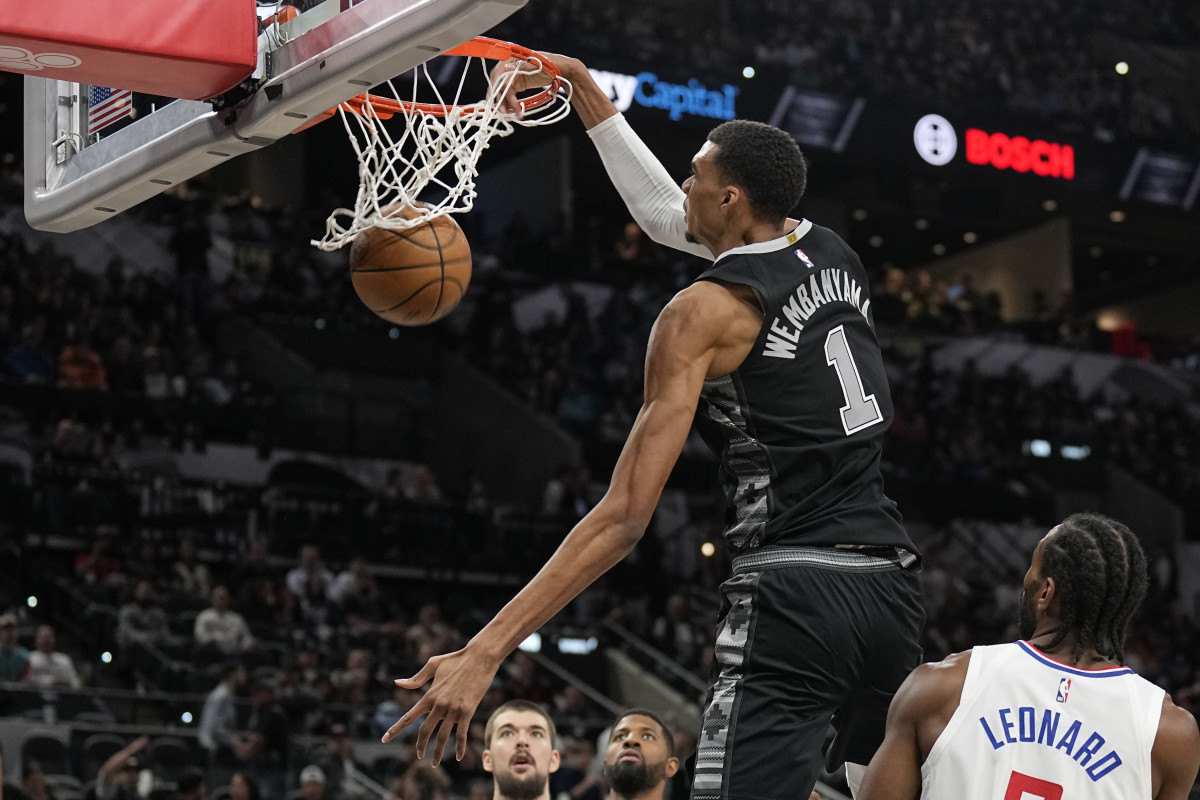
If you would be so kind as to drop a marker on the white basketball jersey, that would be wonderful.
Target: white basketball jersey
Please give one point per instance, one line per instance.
(1028, 727)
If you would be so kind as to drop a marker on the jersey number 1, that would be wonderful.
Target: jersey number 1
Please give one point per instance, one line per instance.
(1021, 786)
(861, 409)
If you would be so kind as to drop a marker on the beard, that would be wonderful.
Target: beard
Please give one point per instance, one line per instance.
(631, 778)
(1026, 622)
(530, 787)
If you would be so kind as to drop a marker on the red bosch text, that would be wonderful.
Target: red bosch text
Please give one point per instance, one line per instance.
(1018, 153)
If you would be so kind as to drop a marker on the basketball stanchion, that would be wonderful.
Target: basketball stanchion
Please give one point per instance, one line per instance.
(441, 140)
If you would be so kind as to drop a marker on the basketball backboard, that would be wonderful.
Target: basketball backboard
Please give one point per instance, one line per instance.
(322, 58)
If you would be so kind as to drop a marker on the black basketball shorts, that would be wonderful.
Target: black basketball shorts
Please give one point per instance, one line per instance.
(807, 637)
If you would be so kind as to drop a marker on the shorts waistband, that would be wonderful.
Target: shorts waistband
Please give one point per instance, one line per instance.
(844, 560)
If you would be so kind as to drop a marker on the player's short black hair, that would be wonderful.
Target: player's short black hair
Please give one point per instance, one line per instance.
(765, 162)
(1099, 569)
(668, 735)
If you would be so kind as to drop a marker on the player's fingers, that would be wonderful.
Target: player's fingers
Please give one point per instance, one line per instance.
(443, 736)
(421, 678)
(426, 731)
(409, 718)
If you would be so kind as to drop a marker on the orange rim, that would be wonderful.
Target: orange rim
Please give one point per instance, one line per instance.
(479, 47)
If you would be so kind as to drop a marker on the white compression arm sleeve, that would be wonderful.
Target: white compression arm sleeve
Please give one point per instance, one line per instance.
(653, 198)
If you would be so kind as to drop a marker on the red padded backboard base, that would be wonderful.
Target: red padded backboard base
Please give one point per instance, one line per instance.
(173, 48)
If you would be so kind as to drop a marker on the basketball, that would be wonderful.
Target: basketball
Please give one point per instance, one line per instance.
(413, 276)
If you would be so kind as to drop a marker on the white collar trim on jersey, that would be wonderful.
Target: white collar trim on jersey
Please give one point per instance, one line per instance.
(791, 237)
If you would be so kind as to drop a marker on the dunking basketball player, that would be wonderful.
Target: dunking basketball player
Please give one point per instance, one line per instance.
(773, 351)
(1052, 716)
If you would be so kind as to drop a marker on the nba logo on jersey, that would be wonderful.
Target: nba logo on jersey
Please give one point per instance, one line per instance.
(800, 254)
(1064, 686)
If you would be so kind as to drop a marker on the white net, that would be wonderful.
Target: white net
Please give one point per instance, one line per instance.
(431, 150)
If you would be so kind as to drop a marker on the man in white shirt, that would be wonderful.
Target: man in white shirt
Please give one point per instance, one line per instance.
(47, 667)
(221, 627)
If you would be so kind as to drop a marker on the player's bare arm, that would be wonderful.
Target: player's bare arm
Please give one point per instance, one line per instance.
(694, 335)
(916, 718)
(1175, 757)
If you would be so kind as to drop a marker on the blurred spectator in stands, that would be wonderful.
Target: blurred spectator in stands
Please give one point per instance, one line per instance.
(253, 569)
(28, 359)
(222, 629)
(421, 485)
(142, 621)
(191, 786)
(96, 566)
(118, 776)
(675, 634)
(226, 386)
(191, 578)
(363, 610)
(218, 732)
(317, 613)
(146, 565)
(14, 659)
(33, 783)
(352, 682)
(47, 666)
(424, 782)
(354, 573)
(243, 786)
(339, 766)
(568, 494)
(310, 565)
(312, 784)
(429, 628)
(265, 750)
(269, 608)
(79, 365)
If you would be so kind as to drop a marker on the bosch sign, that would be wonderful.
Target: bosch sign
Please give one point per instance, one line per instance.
(676, 99)
(1021, 154)
(937, 143)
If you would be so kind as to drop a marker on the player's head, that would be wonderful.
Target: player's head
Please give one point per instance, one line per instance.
(640, 754)
(749, 163)
(519, 750)
(1089, 576)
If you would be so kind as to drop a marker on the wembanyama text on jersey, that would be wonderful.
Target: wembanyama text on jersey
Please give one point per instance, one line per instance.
(799, 425)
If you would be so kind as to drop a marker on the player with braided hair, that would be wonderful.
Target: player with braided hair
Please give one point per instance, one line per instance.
(1055, 715)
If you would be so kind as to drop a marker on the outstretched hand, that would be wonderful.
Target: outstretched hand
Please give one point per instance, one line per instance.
(460, 680)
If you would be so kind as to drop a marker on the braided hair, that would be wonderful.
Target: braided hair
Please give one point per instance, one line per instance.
(1099, 569)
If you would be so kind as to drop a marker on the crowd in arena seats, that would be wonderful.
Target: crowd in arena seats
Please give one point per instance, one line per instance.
(1040, 59)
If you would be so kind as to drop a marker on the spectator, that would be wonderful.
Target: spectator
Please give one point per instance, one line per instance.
(340, 768)
(675, 634)
(96, 566)
(33, 783)
(421, 485)
(312, 783)
(220, 628)
(118, 776)
(218, 719)
(80, 367)
(146, 565)
(48, 667)
(243, 787)
(143, 620)
(351, 683)
(191, 578)
(252, 571)
(14, 659)
(191, 786)
(266, 748)
(310, 565)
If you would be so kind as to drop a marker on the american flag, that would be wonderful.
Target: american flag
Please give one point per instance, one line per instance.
(106, 106)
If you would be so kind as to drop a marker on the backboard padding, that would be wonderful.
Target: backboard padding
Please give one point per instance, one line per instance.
(346, 55)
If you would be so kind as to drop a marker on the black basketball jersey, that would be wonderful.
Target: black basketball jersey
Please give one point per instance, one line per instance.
(799, 425)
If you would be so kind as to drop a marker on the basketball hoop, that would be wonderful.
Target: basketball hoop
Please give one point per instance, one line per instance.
(437, 133)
